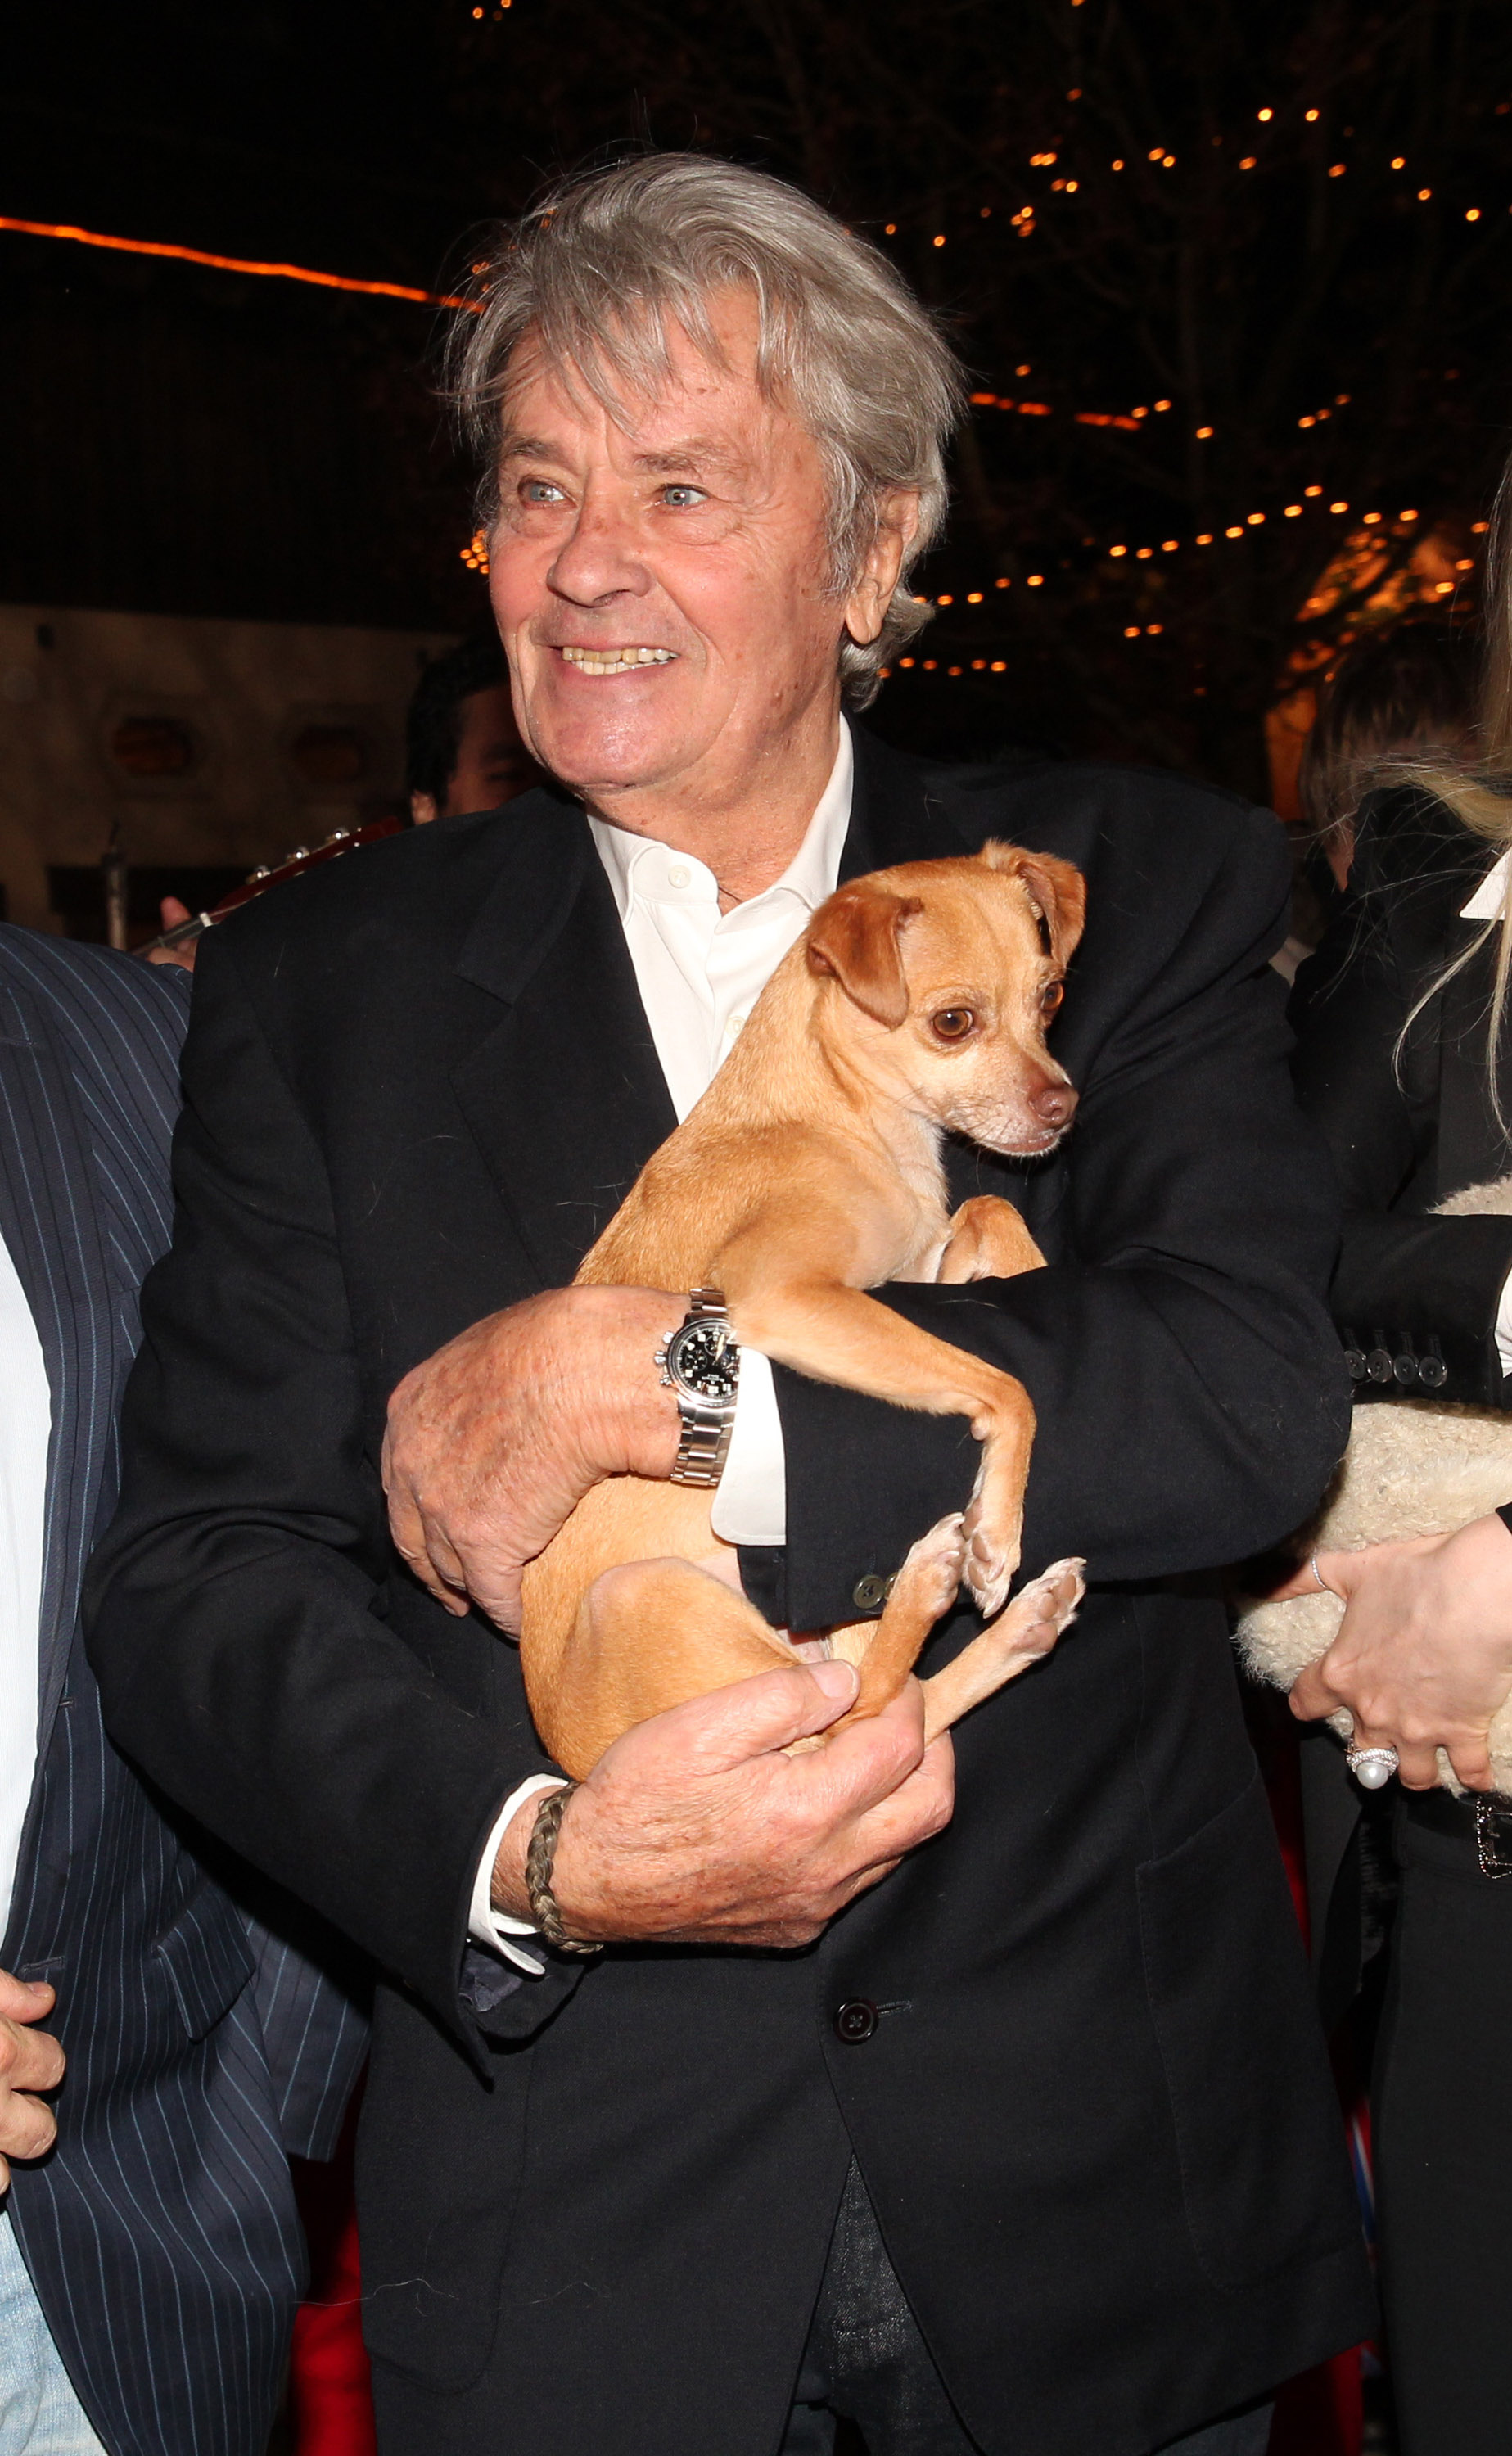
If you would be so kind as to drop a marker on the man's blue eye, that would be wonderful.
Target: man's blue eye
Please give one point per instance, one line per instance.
(539, 490)
(680, 498)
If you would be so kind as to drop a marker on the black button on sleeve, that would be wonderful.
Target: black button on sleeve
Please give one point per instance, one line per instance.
(870, 1593)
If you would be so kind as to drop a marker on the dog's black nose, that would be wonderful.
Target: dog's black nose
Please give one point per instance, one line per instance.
(1055, 1104)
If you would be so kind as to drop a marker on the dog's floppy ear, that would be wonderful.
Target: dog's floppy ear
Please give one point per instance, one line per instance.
(1056, 889)
(855, 938)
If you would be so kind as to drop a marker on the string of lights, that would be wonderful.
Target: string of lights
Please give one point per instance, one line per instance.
(228, 263)
(474, 553)
(1130, 421)
(1162, 157)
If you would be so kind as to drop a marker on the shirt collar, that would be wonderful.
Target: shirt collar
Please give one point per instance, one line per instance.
(639, 866)
(1490, 896)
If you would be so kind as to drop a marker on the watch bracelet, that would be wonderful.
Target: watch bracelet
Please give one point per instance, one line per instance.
(540, 1860)
(703, 1445)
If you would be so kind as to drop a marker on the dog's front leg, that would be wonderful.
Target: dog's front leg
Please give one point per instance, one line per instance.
(839, 1334)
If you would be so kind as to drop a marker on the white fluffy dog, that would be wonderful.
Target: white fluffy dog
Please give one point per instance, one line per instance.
(1414, 1466)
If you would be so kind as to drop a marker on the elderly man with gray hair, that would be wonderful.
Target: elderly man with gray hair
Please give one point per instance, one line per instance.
(975, 2098)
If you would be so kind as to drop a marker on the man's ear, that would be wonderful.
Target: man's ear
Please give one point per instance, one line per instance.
(855, 939)
(872, 592)
(1056, 889)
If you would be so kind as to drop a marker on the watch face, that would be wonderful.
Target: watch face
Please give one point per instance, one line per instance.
(703, 1359)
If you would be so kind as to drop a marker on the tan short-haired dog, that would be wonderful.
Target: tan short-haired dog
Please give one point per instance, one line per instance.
(914, 1004)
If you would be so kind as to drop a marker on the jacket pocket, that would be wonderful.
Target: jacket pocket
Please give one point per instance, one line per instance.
(1258, 2133)
(207, 1957)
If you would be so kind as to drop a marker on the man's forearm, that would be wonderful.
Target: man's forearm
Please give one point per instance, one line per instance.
(1174, 1431)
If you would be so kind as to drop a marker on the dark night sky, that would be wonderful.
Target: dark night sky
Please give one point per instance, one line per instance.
(309, 131)
(194, 442)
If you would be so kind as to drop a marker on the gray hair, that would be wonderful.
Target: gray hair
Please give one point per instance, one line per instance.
(599, 266)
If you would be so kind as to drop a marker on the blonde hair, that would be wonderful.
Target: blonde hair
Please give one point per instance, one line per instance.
(600, 267)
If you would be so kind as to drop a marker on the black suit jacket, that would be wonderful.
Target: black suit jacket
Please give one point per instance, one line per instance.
(160, 2232)
(1409, 1121)
(1094, 2114)
(1390, 1065)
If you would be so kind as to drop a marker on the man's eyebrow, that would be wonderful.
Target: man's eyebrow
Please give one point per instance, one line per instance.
(694, 452)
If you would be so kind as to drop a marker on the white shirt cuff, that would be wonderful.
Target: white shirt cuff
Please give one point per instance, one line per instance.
(752, 1504)
(1504, 1327)
(491, 1928)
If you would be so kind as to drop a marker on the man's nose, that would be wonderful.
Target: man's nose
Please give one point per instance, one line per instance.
(598, 559)
(1055, 1104)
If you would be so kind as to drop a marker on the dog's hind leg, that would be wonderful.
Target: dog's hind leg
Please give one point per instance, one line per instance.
(885, 1650)
(1020, 1635)
(989, 1240)
(649, 1635)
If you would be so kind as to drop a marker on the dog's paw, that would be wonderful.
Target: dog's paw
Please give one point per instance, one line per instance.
(929, 1579)
(993, 1529)
(1034, 1620)
(1046, 1607)
(990, 1560)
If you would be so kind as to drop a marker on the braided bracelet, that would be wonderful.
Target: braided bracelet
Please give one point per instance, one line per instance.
(538, 1862)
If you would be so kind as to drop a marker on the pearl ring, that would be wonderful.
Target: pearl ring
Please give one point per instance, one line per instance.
(1372, 1768)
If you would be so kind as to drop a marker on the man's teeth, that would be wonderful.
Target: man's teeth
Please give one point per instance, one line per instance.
(616, 661)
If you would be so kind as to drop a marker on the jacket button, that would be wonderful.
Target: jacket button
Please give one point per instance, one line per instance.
(855, 2021)
(870, 1592)
(1432, 1372)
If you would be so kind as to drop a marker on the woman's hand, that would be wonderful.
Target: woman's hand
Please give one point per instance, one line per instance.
(1423, 1656)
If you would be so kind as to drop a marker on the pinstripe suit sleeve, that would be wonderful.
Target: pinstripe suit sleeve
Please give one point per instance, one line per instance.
(119, 1024)
(202, 2042)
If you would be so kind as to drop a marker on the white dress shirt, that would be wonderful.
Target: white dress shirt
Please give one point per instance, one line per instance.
(1487, 904)
(26, 1428)
(698, 972)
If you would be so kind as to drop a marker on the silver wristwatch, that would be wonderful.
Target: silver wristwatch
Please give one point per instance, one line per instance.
(699, 1362)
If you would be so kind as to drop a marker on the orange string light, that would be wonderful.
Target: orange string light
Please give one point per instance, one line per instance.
(230, 263)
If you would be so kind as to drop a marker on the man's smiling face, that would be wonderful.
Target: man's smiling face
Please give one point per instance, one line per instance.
(662, 586)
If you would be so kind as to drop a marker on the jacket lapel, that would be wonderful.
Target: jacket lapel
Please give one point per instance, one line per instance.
(895, 813)
(564, 1094)
(52, 1229)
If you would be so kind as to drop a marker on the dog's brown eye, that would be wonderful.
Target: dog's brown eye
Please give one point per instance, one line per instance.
(1049, 997)
(952, 1022)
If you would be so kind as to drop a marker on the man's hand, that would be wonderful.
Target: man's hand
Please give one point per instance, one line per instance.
(1423, 1656)
(494, 1440)
(29, 2060)
(174, 914)
(694, 1828)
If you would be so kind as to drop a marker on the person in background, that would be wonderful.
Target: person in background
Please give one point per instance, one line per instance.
(161, 2051)
(1404, 693)
(1403, 1064)
(462, 746)
(1412, 688)
(463, 752)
